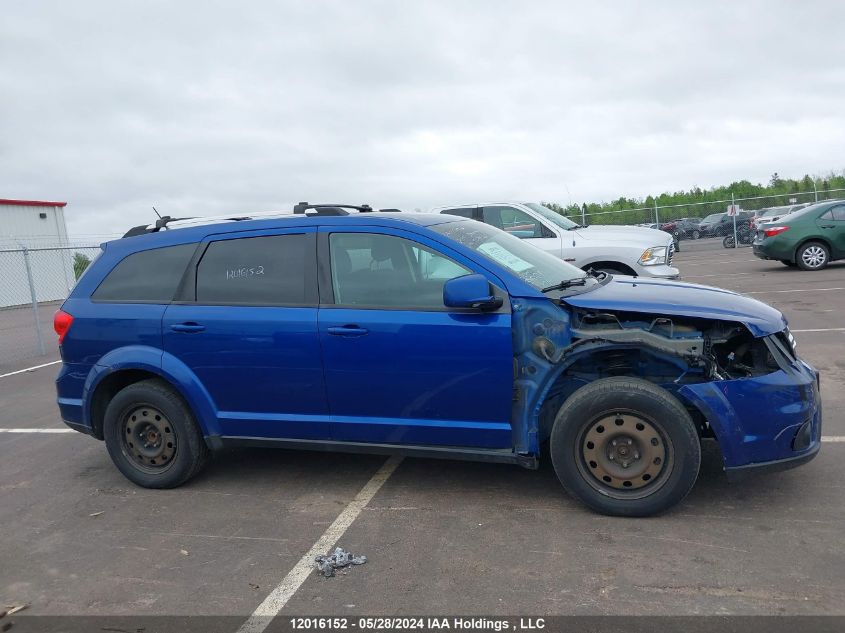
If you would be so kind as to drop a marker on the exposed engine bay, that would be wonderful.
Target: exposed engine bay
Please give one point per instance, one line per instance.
(676, 349)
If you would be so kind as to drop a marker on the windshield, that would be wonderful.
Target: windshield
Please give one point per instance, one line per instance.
(552, 216)
(533, 266)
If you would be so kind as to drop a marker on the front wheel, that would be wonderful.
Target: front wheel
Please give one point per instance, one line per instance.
(696, 235)
(152, 437)
(625, 447)
(729, 242)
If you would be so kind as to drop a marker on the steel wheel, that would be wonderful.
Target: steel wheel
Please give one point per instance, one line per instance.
(814, 256)
(148, 439)
(624, 455)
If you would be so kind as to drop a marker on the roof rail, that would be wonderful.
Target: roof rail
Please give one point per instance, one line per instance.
(160, 224)
(300, 209)
(331, 209)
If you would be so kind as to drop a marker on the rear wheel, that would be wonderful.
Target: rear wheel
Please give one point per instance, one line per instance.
(625, 447)
(729, 242)
(152, 437)
(696, 235)
(812, 256)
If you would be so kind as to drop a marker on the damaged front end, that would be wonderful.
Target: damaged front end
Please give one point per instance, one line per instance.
(743, 386)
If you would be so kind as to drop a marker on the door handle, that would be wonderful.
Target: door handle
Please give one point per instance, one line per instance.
(347, 330)
(828, 226)
(187, 327)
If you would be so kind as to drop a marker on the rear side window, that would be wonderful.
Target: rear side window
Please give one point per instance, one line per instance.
(147, 276)
(836, 213)
(271, 270)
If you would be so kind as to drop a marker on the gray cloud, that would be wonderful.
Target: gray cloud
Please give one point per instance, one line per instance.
(203, 108)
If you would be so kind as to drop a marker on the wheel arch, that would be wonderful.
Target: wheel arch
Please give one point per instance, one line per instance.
(616, 265)
(121, 368)
(565, 381)
(807, 240)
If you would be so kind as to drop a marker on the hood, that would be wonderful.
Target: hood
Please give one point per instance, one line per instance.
(631, 234)
(659, 297)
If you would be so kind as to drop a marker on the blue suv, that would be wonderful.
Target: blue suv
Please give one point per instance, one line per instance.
(333, 328)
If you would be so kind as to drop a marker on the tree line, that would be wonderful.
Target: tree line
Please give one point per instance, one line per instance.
(698, 202)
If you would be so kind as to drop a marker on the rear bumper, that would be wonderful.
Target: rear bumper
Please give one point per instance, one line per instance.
(768, 250)
(80, 427)
(70, 384)
(759, 252)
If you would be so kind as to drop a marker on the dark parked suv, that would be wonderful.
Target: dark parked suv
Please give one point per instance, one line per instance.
(432, 335)
(722, 224)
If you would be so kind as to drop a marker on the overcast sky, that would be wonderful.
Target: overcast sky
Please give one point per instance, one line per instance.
(214, 107)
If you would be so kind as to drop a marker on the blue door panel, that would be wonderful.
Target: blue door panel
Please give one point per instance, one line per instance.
(419, 377)
(261, 366)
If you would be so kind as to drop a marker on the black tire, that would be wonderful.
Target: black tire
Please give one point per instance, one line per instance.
(696, 235)
(152, 436)
(786, 262)
(655, 484)
(728, 242)
(812, 256)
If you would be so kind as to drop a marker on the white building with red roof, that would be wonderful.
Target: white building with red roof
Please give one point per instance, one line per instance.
(35, 257)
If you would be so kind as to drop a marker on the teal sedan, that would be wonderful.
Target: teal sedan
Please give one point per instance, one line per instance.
(810, 238)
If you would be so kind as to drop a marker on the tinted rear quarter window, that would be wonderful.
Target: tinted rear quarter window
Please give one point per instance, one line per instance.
(146, 276)
(270, 270)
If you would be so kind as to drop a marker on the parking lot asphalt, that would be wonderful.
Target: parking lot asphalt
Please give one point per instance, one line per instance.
(19, 338)
(441, 537)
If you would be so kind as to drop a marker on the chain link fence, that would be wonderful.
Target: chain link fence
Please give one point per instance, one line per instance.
(33, 284)
(709, 221)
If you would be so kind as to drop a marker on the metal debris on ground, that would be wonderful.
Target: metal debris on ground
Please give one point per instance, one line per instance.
(340, 558)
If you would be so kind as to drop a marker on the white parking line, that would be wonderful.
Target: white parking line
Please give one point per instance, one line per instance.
(833, 438)
(764, 292)
(718, 275)
(21, 371)
(37, 431)
(823, 329)
(278, 598)
(704, 262)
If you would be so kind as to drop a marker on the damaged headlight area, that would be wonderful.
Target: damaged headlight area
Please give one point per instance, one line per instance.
(654, 256)
(665, 349)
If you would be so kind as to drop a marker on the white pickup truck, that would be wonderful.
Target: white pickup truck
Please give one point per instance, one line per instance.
(626, 250)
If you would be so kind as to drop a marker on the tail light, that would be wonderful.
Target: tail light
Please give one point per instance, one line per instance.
(61, 323)
(775, 230)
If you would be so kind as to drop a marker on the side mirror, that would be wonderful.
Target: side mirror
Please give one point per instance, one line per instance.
(470, 291)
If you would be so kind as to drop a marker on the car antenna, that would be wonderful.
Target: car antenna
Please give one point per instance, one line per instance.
(161, 223)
